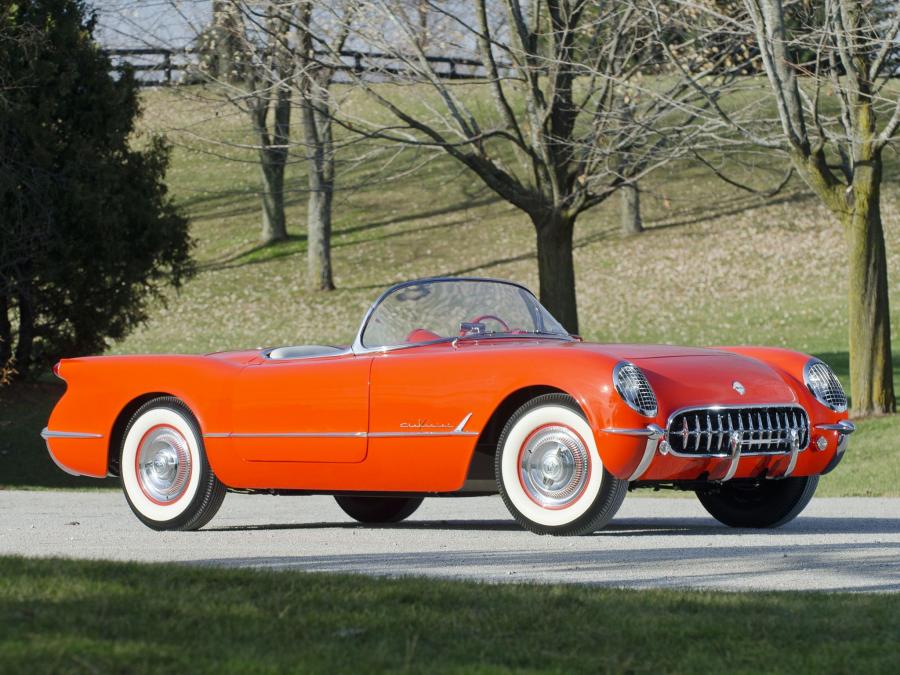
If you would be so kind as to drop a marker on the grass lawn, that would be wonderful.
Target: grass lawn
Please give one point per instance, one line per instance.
(85, 617)
(715, 266)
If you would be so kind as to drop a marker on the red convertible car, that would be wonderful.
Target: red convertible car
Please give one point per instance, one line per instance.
(457, 386)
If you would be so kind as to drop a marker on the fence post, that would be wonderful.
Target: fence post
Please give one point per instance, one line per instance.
(167, 65)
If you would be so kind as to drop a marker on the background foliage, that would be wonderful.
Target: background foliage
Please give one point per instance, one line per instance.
(89, 231)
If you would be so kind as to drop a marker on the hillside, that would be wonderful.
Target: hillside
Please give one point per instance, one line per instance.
(715, 266)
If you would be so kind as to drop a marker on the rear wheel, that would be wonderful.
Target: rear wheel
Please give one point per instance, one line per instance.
(769, 503)
(167, 480)
(379, 509)
(549, 471)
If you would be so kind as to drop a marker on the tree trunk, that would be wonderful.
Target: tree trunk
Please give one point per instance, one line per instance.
(274, 227)
(5, 333)
(556, 268)
(25, 340)
(273, 156)
(317, 133)
(631, 209)
(223, 37)
(319, 229)
(871, 368)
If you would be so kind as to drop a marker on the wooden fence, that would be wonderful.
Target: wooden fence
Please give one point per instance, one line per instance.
(156, 67)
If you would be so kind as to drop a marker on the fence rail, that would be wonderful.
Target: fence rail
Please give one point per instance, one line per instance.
(171, 66)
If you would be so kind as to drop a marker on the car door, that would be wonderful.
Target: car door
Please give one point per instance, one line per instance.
(427, 406)
(303, 410)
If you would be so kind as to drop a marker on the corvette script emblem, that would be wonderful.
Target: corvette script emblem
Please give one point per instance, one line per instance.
(738, 387)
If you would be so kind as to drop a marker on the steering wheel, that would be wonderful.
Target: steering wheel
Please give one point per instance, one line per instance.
(481, 318)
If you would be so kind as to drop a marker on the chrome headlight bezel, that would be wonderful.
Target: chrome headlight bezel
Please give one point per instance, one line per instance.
(823, 384)
(630, 391)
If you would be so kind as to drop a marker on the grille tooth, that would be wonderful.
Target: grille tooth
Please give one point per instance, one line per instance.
(760, 425)
(752, 431)
(697, 431)
(721, 432)
(764, 430)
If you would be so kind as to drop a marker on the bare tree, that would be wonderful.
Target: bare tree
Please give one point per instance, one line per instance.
(561, 118)
(827, 67)
(275, 56)
(318, 38)
(248, 56)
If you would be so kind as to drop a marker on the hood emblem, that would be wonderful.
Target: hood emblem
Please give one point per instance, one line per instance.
(738, 387)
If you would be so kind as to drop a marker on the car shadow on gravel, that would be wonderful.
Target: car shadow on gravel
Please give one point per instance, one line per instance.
(625, 527)
(704, 526)
(475, 525)
(820, 566)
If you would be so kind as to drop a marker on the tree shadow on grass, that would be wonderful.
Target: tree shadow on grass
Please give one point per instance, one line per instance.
(691, 217)
(295, 244)
(731, 207)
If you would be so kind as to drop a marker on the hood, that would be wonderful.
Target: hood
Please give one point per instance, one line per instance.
(626, 352)
(710, 377)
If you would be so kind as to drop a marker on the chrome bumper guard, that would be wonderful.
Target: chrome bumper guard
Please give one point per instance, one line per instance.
(653, 433)
(656, 435)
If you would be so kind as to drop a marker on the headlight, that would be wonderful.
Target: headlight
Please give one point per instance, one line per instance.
(634, 389)
(823, 384)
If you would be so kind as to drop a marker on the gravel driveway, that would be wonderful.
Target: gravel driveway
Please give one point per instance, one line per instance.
(850, 544)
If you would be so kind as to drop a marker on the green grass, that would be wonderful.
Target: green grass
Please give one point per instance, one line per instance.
(81, 617)
(715, 266)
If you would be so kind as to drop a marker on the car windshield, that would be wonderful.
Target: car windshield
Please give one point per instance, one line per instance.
(439, 309)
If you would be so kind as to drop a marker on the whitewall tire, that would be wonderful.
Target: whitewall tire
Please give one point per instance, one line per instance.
(549, 471)
(165, 475)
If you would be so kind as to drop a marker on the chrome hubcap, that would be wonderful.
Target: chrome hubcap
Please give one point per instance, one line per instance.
(164, 464)
(554, 466)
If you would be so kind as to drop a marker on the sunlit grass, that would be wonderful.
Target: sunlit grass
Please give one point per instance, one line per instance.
(72, 617)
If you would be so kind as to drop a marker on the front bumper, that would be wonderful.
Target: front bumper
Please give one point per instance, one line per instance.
(723, 467)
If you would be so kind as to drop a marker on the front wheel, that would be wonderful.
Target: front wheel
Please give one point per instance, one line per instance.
(165, 475)
(549, 472)
(768, 503)
(379, 509)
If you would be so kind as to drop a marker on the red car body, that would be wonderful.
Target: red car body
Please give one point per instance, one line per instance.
(426, 418)
(381, 408)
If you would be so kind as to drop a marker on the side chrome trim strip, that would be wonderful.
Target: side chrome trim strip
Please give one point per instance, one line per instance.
(654, 433)
(413, 434)
(343, 434)
(462, 425)
(317, 434)
(46, 433)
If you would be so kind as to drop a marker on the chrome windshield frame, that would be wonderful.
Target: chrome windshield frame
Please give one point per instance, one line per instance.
(359, 348)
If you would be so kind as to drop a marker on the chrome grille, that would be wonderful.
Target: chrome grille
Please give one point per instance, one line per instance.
(823, 383)
(764, 430)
